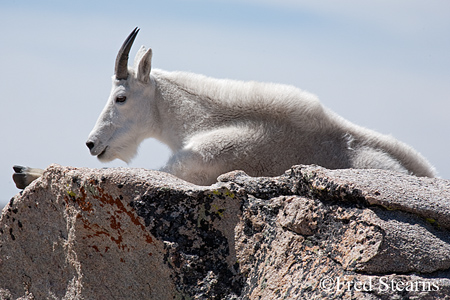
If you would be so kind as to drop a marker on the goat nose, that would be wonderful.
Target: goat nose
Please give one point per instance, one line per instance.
(90, 145)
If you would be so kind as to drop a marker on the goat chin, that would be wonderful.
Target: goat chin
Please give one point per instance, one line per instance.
(125, 154)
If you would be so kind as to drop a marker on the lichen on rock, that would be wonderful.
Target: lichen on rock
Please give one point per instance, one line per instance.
(79, 233)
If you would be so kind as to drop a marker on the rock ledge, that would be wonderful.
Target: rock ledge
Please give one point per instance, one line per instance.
(312, 233)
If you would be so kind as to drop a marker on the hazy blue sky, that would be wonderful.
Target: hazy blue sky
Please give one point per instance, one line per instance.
(381, 64)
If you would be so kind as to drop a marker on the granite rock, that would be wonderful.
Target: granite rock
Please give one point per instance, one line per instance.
(311, 233)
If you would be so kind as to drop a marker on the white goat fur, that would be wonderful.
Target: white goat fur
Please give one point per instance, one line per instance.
(214, 126)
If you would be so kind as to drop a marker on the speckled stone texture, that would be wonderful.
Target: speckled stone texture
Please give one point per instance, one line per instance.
(312, 233)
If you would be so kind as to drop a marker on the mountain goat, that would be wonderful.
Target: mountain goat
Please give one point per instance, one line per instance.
(214, 126)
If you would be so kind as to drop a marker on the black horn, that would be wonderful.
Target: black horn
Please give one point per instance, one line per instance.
(122, 57)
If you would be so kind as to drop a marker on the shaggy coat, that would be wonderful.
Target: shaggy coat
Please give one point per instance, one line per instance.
(215, 125)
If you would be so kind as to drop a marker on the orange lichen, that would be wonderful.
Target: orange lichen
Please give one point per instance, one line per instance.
(116, 217)
(108, 199)
(81, 201)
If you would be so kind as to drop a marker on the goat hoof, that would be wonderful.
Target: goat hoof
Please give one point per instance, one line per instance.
(19, 169)
(20, 179)
(23, 176)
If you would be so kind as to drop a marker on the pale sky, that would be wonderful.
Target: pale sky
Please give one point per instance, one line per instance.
(381, 64)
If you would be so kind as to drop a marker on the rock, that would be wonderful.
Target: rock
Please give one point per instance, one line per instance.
(312, 233)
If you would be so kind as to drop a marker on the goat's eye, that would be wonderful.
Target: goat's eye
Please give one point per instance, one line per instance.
(121, 99)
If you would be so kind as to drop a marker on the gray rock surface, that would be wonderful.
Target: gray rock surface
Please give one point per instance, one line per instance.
(311, 233)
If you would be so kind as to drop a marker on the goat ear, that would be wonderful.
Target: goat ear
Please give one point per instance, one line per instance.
(144, 64)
